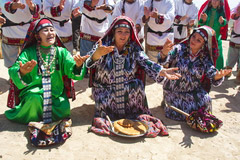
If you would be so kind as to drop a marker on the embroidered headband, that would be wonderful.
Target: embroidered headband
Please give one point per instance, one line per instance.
(122, 23)
(201, 32)
(43, 26)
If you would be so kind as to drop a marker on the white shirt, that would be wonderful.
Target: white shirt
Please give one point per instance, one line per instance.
(134, 10)
(92, 27)
(236, 27)
(21, 15)
(183, 9)
(165, 7)
(69, 6)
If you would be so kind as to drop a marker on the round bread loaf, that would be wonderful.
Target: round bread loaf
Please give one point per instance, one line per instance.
(129, 127)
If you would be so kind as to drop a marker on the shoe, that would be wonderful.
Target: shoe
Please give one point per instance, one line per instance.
(237, 80)
(229, 74)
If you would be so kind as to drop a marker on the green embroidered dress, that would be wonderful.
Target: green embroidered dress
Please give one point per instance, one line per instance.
(31, 95)
(213, 22)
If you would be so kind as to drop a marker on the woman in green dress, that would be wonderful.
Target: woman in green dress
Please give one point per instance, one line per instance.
(215, 14)
(38, 73)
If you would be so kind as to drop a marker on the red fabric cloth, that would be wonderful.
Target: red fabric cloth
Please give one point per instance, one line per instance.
(224, 3)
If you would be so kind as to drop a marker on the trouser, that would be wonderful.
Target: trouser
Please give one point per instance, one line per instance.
(85, 46)
(10, 54)
(76, 31)
(233, 57)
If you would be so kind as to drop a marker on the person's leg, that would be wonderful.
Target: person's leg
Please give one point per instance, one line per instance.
(10, 54)
(232, 59)
(29, 109)
(85, 47)
(153, 55)
(69, 46)
(220, 60)
(76, 31)
(238, 67)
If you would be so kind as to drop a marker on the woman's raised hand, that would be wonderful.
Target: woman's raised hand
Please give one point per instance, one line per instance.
(168, 45)
(2, 20)
(170, 73)
(222, 73)
(30, 4)
(17, 4)
(204, 17)
(27, 67)
(80, 60)
(62, 4)
(101, 51)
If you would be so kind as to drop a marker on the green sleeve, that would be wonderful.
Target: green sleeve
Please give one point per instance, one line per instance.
(18, 80)
(69, 65)
(201, 23)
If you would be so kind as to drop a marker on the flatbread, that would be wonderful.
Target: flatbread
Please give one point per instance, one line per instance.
(129, 127)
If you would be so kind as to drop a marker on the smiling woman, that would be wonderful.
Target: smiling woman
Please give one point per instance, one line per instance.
(118, 88)
(196, 59)
(41, 62)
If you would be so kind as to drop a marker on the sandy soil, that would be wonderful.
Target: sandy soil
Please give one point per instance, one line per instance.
(182, 142)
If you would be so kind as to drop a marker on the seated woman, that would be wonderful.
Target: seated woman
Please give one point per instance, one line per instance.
(38, 74)
(195, 58)
(116, 90)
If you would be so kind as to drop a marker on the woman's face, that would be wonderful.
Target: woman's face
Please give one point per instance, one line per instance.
(188, 1)
(48, 36)
(121, 36)
(215, 3)
(196, 42)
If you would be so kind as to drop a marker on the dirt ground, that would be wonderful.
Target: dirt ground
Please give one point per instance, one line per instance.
(183, 143)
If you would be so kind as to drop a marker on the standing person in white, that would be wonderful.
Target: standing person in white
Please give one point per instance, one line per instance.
(133, 9)
(159, 15)
(94, 22)
(60, 11)
(234, 43)
(185, 15)
(18, 15)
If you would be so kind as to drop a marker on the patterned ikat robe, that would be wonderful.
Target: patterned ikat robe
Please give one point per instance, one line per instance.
(186, 93)
(116, 90)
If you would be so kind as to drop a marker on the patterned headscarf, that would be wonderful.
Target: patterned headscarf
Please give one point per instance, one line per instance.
(121, 21)
(33, 30)
(211, 44)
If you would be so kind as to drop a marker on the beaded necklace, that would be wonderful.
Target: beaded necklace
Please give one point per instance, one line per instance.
(50, 62)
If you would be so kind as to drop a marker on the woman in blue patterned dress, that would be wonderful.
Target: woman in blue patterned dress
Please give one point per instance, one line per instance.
(195, 59)
(116, 90)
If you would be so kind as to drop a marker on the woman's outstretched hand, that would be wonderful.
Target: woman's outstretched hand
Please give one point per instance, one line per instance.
(101, 51)
(170, 73)
(222, 73)
(27, 67)
(80, 60)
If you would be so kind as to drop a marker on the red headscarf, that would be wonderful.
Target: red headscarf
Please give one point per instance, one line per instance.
(33, 30)
(122, 21)
(226, 8)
